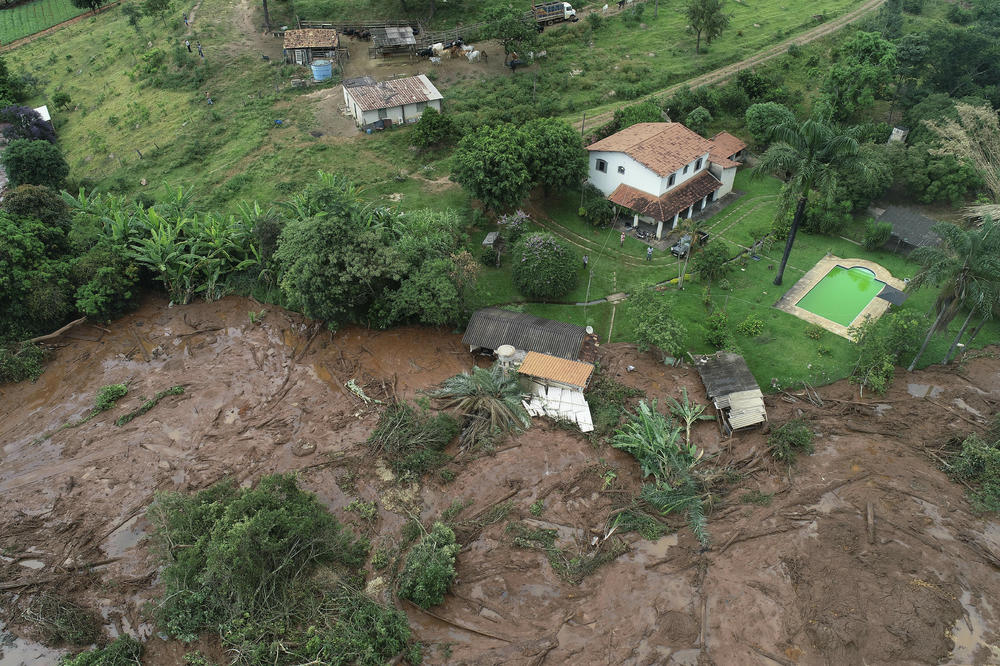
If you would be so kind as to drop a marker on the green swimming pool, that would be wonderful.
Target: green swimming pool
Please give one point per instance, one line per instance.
(842, 294)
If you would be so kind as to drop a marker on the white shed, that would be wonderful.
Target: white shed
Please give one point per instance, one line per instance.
(395, 102)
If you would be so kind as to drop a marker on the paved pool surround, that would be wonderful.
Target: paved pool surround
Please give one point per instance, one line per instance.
(875, 308)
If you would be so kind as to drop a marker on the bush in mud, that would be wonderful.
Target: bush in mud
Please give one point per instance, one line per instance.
(125, 651)
(978, 463)
(20, 362)
(607, 398)
(61, 620)
(412, 440)
(430, 567)
(789, 439)
(272, 571)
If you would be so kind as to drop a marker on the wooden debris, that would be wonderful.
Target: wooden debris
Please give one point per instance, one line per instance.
(871, 523)
(56, 334)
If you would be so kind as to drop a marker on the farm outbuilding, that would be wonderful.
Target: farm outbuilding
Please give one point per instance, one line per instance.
(910, 229)
(491, 328)
(732, 389)
(305, 45)
(393, 102)
(555, 388)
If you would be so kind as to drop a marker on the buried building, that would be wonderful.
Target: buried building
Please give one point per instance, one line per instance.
(732, 389)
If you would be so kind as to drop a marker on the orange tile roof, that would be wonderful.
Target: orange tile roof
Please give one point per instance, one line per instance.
(556, 369)
(311, 38)
(723, 162)
(725, 145)
(665, 207)
(663, 147)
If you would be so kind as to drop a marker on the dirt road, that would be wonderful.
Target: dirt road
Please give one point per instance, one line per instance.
(724, 73)
(803, 579)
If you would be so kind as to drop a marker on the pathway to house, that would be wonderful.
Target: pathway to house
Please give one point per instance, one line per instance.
(724, 73)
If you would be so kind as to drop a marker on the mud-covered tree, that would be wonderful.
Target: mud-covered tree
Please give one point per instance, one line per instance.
(31, 162)
(707, 19)
(492, 164)
(544, 267)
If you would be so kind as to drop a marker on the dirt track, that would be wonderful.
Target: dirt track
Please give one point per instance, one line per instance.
(796, 582)
(724, 73)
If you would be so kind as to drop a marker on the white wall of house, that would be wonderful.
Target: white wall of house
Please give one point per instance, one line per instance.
(408, 113)
(636, 174)
(726, 177)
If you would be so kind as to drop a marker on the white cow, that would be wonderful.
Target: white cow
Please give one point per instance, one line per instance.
(437, 49)
(604, 9)
(473, 56)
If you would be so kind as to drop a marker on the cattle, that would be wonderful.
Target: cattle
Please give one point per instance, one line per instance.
(425, 53)
(437, 49)
(604, 9)
(473, 56)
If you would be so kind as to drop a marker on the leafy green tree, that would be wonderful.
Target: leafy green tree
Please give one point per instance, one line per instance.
(492, 164)
(557, 160)
(877, 234)
(654, 324)
(864, 67)
(698, 120)
(38, 203)
(335, 264)
(23, 122)
(544, 267)
(35, 290)
(433, 129)
(706, 18)
(430, 567)
(931, 176)
(643, 112)
(712, 263)
(966, 266)
(762, 118)
(157, 8)
(133, 14)
(812, 152)
(427, 296)
(12, 87)
(92, 5)
(508, 25)
(34, 163)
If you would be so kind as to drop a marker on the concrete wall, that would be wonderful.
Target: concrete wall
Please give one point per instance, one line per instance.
(726, 177)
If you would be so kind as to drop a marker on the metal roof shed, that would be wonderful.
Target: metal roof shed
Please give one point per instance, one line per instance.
(491, 327)
(732, 388)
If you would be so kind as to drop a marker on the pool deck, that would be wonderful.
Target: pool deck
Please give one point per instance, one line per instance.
(875, 309)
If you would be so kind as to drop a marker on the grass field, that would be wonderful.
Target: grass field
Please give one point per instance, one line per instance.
(33, 17)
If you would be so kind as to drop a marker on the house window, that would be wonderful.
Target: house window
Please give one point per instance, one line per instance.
(621, 169)
(686, 167)
(672, 180)
(697, 165)
(602, 166)
(383, 113)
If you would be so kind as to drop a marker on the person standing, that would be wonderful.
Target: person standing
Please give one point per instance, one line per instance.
(586, 260)
(187, 43)
(200, 51)
(622, 239)
(649, 253)
(186, 20)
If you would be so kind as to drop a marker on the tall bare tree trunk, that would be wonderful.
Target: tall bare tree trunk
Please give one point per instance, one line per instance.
(799, 209)
(975, 331)
(930, 332)
(958, 338)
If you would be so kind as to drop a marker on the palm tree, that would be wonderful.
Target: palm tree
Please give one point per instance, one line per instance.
(489, 401)
(966, 265)
(812, 152)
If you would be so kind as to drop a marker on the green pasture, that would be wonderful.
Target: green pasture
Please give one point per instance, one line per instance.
(27, 19)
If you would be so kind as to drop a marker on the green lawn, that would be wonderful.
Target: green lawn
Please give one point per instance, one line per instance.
(24, 20)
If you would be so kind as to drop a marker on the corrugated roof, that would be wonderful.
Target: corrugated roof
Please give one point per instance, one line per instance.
(311, 38)
(724, 373)
(556, 369)
(725, 145)
(912, 227)
(491, 327)
(665, 207)
(663, 147)
(396, 92)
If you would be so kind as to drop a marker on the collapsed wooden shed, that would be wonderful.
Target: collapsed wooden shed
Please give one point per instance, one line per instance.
(732, 389)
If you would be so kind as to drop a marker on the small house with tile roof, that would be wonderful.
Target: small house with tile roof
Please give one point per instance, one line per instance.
(661, 172)
(304, 46)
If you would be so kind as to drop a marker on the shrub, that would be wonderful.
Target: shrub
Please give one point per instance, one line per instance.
(433, 129)
(978, 463)
(61, 620)
(430, 567)
(761, 118)
(544, 267)
(789, 439)
(23, 122)
(882, 344)
(752, 326)
(655, 325)
(595, 20)
(20, 362)
(698, 120)
(513, 225)
(876, 234)
(35, 163)
(125, 651)
(38, 203)
(718, 334)
(412, 441)
(108, 396)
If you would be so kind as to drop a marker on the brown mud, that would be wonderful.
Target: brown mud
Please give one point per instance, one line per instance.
(804, 580)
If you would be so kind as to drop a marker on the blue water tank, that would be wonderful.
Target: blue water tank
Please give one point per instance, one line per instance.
(322, 69)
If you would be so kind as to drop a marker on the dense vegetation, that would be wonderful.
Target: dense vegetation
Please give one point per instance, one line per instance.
(273, 572)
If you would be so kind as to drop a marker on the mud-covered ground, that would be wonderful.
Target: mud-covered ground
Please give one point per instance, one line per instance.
(806, 579)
